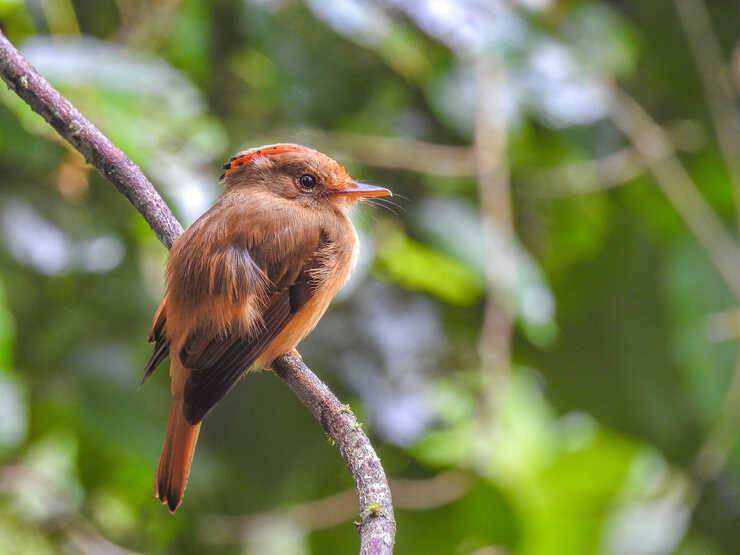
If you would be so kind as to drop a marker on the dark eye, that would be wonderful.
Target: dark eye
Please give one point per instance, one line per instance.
(308, 181)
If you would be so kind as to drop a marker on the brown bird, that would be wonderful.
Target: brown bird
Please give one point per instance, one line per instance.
(247, 282)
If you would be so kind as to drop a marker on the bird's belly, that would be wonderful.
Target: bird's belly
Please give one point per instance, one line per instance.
(298, 328)
(309, 314)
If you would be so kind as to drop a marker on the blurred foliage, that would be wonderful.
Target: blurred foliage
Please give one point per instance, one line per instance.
(617, 377)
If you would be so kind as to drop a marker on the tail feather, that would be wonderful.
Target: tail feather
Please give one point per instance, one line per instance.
(177, 455)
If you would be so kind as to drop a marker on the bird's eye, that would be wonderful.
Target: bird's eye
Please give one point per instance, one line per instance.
(308, 182)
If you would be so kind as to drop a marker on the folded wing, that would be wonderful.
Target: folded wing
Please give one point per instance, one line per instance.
(217, 363)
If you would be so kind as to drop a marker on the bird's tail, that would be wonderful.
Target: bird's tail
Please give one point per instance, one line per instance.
(177, 455)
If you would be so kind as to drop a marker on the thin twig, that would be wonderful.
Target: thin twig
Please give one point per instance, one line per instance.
(657, 153)
(584, 176)
(715, 79)
(20, 479)
(713, 453)
(377, 530)
(497, 219)
(650, 141)
(492, 172)
(396, 153)
(327, 512)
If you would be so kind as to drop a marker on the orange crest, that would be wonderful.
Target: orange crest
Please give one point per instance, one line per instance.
(248, 157)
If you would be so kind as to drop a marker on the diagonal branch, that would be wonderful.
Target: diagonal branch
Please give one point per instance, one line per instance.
(715, 79)
(654, 148)
(97, 149)
(377, 526)
(651, 144)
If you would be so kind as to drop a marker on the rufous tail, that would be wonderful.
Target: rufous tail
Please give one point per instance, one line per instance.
(177, 455)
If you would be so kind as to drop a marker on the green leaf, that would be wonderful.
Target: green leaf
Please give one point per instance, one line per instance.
(418, 267)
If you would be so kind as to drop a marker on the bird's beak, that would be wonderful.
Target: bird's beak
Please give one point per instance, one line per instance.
(364, 190)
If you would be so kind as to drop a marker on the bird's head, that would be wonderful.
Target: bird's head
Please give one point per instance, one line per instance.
(297, 173)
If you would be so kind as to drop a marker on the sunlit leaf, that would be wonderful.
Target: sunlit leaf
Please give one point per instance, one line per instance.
(416, 266)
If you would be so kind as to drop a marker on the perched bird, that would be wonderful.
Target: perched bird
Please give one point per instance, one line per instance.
(247, 282)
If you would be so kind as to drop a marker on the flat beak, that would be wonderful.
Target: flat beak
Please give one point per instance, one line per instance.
(364, 190)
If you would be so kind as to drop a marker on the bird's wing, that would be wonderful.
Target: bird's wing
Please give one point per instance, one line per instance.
(161, 343)
(217, 363)
(203, 273)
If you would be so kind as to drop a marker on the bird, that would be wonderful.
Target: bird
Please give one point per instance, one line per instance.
(246, 282)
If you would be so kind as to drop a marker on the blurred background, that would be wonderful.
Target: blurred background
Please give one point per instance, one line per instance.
(540, 336)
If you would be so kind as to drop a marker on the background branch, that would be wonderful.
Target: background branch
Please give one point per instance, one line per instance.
(715, 80)
(601, 173)
(497, 220)
(21, 480)
(377, 527)
(397, 153)
(657, 153)
(319, 514)
(651, 143)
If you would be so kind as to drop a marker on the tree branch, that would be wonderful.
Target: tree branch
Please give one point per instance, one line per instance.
(97, 149)
(377, 525)
(397, 153)
(498, 240)
(715, 79)
(657, 153)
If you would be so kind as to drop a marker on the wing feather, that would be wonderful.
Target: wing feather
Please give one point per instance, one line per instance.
(161, 343)
(217, 363)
